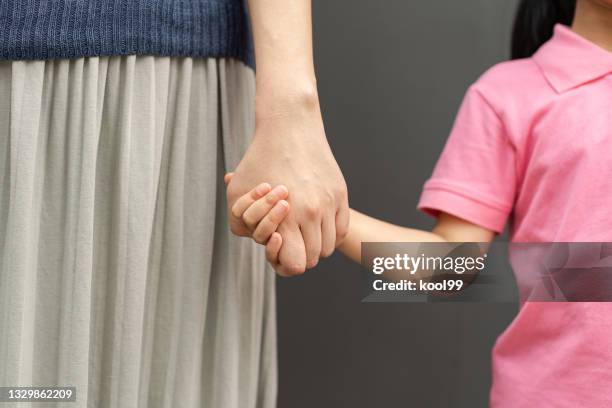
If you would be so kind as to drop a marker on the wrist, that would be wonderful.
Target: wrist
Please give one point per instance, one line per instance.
(279, 101)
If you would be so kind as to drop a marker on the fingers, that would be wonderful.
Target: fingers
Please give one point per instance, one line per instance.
(238, 228)
(258, 210)
(328, 235)
(228, 177)
(244, 202)
(269, 224)
(312, 241)
(292, 254)
(273, 248)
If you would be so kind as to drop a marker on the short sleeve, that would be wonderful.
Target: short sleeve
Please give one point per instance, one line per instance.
(475, 177)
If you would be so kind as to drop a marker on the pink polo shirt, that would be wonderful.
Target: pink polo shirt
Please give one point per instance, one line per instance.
(532, 145)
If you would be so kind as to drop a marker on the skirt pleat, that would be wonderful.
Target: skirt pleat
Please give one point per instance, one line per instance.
(118, 274)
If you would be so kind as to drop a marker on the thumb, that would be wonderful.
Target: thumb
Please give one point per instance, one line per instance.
(228, 177)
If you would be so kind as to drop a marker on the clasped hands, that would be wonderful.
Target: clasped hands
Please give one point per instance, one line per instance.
(288, 193)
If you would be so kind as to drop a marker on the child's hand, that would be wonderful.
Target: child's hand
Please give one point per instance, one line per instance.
(262, 210)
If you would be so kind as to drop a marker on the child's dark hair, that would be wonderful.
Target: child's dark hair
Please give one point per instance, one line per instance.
(535, 21)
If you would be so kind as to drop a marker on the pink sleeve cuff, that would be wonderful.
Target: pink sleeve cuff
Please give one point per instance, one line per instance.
(445, 199)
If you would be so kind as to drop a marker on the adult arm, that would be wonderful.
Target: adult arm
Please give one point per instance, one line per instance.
(289, 146)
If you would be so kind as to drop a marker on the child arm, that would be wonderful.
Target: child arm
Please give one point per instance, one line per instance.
(264, 208)
(363, 228)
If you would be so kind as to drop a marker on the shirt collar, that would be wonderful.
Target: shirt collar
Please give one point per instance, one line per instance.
(569, 60)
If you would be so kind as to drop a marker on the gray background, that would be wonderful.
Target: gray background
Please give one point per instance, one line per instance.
(391, 76)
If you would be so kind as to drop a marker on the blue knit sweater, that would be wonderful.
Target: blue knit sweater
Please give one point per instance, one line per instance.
(46, 29)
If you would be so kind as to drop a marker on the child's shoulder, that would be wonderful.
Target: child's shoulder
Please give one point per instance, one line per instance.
(519, 75)
(516, 82)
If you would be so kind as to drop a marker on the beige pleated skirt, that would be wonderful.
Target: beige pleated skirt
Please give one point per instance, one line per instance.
(118, 274)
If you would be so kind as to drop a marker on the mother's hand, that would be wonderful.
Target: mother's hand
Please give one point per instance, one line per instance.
(290, 148)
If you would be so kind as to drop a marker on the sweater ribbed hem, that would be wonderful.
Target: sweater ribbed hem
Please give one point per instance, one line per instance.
(42, 29)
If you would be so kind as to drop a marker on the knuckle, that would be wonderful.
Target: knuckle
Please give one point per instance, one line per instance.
(249, 220)
(312, 211)
(235, 212)
(271, 198)
(259, 238)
